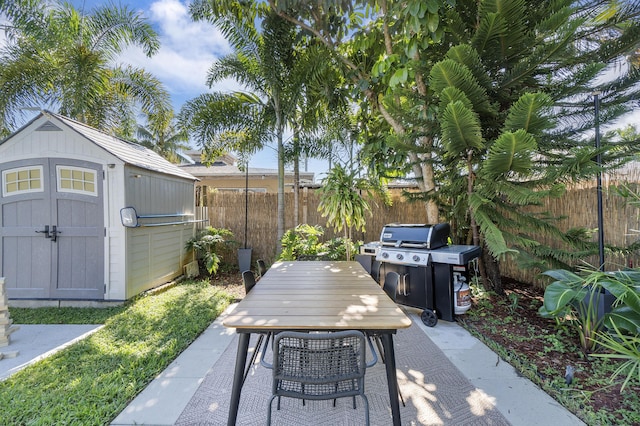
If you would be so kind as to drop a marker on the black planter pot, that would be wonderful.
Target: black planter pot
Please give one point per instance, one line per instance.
(244, 259)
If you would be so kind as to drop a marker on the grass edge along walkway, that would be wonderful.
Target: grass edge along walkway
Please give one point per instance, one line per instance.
(93, 380)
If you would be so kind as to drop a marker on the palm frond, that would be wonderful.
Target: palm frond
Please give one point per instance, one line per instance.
(510, 153)
(451, 73)
(531, 112)
(461, 129)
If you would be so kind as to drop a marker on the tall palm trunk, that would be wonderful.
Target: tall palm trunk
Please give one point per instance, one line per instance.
(296, 177)
(280, 132)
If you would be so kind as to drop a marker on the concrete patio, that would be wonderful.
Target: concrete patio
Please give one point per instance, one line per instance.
(446, 376)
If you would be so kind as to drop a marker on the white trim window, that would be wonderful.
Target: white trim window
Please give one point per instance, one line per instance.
(77, 180)
(22, 180)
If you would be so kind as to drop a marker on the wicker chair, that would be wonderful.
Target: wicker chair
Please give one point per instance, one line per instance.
(319, 366)
(249, 280)
(375, 271)
(390, 286)
(262, 267)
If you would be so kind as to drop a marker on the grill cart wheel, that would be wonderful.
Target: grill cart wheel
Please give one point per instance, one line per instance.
(429, 318)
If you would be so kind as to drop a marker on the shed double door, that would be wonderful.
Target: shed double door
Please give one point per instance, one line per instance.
(52, 229)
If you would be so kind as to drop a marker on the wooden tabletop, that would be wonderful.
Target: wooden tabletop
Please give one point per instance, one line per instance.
(315, 295)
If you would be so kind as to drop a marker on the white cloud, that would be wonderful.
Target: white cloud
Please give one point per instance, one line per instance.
(187, 50)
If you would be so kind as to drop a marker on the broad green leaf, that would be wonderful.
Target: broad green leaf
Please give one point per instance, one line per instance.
(433, 20)
(399, 77)
(558, 295)
(624, 318)
(565, 276)
(493, 237)
(453, 94)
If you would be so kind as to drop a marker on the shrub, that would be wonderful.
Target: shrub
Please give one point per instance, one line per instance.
(301, 242)
(211, 246)
(304, 243)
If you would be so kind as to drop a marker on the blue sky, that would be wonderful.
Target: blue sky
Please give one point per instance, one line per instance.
(188, 49)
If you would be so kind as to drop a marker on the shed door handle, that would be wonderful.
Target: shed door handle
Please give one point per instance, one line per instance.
(54, 233)
(45, 231)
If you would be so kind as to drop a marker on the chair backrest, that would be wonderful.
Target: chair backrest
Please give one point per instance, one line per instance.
(319, 365)
(390, 286)
(249, 281)
(375, 270)
(262, 267)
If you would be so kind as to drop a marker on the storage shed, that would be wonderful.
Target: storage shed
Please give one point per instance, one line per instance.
(62, 237)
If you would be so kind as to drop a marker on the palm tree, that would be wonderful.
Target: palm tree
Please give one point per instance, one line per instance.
(163, 135)
(341, 202)
(267, 64)
(60, 58)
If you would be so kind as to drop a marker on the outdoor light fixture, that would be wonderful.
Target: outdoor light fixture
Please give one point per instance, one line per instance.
(129, 217)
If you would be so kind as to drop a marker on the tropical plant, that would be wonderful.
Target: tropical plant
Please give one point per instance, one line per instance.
(301, 242)
(472, 100)
(622, 346)
(622, 337)
(339, 249)
(342, 201)
(383, 47)
(273, 72)
(211, 245)
(59, 58)
(163, 135)
(500, 87)
(582, 301)
(575, 300)
(304, 242)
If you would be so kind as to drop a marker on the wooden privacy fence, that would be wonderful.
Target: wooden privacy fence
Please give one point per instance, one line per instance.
(577, 209)
(227, 210)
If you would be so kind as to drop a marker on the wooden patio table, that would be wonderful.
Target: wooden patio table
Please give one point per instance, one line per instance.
(321, 296)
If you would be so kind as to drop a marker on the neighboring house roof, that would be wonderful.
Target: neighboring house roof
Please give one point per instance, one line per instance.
(233, 171)
(129, 152)
(225, 167)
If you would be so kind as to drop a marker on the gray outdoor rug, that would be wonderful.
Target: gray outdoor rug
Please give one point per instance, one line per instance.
(434, 390)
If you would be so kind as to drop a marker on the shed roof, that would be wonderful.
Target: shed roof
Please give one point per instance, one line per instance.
(130, 153)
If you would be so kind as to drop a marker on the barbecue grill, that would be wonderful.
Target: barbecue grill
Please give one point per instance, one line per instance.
(427, 265)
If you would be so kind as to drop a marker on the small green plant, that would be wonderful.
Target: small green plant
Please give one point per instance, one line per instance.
(304, 242)
(337, 248)
(625, 347)
(301, 242)
(623, 323)
(210, 246)
(514, 299)
(575, 299)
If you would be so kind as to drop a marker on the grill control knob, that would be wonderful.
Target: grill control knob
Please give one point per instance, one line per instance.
(416, 258)
(399, 256)
(385, 255)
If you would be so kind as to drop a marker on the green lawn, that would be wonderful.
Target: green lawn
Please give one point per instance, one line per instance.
(92, 381)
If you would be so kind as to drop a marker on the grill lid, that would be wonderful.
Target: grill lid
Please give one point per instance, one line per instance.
(415, 235)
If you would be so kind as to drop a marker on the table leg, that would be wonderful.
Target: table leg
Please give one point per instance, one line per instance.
(238, 375)
(392, 380)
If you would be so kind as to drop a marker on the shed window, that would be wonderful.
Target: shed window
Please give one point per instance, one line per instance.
(22, 180)
(77, 180)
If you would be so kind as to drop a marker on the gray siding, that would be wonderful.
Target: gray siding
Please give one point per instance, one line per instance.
(156, 254)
